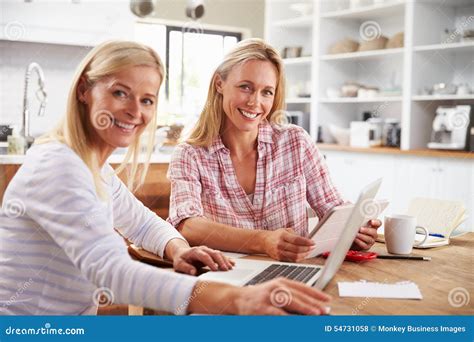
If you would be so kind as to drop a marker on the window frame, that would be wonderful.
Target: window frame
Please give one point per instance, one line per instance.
(174, 28)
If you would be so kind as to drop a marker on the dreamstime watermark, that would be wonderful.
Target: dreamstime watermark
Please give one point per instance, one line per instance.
(182, 308)
(459, 30)
(280, 297)
(46, 330)
(380, 108)
(460, 120)
(365, 302)
(459, 297)
(370, 208)
(370, 30)
(14, 208)
(14, 30)
(103, 296)
(21, 288)
(282, 117)
(92, 219)
(361, 305)
(102, 119)
(187, 209)
(193, 27)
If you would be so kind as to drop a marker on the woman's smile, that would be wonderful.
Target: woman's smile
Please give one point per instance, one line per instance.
(251, 115)
(125, 127)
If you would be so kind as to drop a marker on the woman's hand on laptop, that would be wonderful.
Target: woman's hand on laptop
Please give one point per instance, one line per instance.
(366, 236)
(276, 297)
(285, 245)
(188, 259)
(281, 297)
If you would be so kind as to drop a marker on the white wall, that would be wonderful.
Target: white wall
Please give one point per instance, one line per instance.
(58, 63)
(239, 13)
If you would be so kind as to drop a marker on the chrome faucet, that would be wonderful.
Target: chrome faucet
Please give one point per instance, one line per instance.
(41, 95)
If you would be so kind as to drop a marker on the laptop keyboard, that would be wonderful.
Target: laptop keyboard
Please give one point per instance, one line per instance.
(293, 272)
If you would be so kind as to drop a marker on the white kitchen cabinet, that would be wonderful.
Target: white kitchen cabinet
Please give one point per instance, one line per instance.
(80, 22)
(351, 173)
(454, 180)
(414, 177)
(440, 178)
(456, 183)
(404, 178)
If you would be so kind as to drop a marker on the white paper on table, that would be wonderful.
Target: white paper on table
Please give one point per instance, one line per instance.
(401, 290)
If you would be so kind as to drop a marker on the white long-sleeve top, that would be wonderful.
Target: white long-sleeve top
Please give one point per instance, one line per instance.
(58, 244)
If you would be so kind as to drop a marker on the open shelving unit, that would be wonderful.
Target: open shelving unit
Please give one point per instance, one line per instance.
(427, 57)
(363, 54)
(361, 100)
(380, 10)
(459, 46)
(442, 97)
(298, 22)
(298, 60)
(286, 28)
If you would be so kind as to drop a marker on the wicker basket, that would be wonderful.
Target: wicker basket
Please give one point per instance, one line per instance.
(396, 41)
(374, 44)
(344, 46)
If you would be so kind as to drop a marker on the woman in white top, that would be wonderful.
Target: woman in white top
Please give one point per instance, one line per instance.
(59, 251)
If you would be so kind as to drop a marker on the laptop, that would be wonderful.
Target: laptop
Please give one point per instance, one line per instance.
(251, 272)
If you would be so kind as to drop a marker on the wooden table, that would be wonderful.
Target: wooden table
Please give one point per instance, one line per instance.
(449, 271)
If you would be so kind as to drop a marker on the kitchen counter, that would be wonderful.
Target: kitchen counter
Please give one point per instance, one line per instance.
(165, 158)
(392, 150)
(154, 193)
(156, 158)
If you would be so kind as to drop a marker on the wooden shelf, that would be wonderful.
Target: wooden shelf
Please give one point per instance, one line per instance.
(441, 97)
(461, 46)
(298, 61)
(299, 22)
(373, 54)
(391, 9)
(393, 150)
(359, 100)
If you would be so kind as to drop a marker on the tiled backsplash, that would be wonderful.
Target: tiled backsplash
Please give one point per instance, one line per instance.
(58, 62)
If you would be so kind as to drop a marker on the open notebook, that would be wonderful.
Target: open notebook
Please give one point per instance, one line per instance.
(438, 216)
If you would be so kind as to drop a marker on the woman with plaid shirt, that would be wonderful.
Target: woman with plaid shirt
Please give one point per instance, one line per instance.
(242, 180)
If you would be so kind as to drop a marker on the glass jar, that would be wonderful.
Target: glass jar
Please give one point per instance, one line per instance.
(376, 128)
(391, 133)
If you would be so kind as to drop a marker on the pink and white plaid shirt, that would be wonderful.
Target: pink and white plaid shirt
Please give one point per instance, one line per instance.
(290, 173)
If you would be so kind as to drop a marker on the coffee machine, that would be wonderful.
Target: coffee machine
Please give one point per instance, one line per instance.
(452, 126)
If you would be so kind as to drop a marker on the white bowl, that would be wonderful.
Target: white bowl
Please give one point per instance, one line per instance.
(341, 135)
(333, 93)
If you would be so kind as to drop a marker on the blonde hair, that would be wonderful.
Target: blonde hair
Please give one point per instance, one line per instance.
(74, 129)
(210, 122)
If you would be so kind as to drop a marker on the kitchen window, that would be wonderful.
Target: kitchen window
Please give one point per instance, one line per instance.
(191, 54)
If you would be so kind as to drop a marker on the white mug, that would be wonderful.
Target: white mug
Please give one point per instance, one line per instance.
(399, 232)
